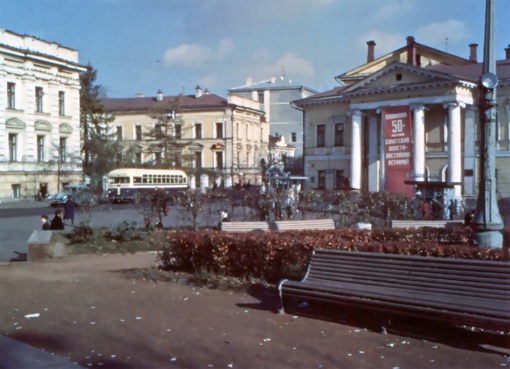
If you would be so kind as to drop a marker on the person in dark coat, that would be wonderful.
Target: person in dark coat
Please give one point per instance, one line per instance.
(69, 209)
(56, 222)
(46, 226)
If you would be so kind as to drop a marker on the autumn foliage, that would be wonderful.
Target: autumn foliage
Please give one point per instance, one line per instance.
(271, 256)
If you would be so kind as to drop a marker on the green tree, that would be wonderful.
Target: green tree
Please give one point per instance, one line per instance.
(166, 135)
(99, 150)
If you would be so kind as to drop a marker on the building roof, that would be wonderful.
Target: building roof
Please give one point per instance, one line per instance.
(473, 72)
(271, 84)
(187, 102)
(439, 72)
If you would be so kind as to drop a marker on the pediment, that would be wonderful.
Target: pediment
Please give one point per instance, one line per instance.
(400, 75)
(15, 123)
(65, 128)
(43, 125)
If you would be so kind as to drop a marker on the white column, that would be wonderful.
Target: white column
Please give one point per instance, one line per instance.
(373, 155)
(418, 142)
(507, 107)
(356, 148)
(454, 145)
(204, 182)
(470, 150)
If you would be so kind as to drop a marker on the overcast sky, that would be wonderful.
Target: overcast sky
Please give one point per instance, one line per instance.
(140, 46)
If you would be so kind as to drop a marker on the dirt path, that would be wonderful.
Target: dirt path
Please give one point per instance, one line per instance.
(91, 313)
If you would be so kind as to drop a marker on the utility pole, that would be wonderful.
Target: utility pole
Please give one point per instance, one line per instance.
(487, 222)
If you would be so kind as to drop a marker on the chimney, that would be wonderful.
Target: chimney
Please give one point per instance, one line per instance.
(159, 96)
(371, 49)
(249, 81)
(138, 95)
(507, 50)
(206, 92)
(411, 50)
(198, 91)
(472, 52)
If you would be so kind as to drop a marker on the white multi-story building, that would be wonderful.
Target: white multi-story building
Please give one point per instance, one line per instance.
(39, 116)
(274, 97)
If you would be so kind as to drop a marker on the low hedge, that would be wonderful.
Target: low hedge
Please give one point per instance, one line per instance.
(272, 256)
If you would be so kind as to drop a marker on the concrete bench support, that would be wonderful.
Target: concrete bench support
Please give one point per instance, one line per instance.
(45, 245)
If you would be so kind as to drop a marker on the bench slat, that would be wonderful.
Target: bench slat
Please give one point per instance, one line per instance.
(469, 290)
(285, 225)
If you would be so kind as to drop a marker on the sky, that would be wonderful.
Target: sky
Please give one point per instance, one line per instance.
(142, 46)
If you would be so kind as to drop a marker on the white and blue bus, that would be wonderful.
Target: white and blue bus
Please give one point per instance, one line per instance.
(134, 184)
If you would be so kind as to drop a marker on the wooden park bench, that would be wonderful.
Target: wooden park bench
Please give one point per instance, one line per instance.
(473, 293)
(419, 223)
(297, 225)
(281, 225)
(244, 226)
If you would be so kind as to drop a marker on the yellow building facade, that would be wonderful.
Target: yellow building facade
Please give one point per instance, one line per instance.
(348, 141)
(217, 141)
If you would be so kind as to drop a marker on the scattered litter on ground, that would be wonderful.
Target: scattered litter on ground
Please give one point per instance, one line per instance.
(32, 316)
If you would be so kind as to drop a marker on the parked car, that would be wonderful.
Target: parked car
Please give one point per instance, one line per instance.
(80, 193)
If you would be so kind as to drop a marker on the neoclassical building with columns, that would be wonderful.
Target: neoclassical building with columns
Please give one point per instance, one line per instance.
(405, 121)
(39, 116)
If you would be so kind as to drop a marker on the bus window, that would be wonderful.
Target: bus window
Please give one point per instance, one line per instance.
(137, 179)
(120, 180)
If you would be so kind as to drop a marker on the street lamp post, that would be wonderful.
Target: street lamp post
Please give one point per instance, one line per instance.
(487, 222)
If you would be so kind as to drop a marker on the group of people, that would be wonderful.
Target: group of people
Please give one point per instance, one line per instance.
(57, 223)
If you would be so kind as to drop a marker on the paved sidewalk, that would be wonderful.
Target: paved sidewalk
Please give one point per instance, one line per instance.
(18, 355)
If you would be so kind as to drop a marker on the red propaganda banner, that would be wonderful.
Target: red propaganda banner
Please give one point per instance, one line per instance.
(398, 148)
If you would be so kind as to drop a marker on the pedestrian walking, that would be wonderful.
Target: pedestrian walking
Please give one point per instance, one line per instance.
(69, 209)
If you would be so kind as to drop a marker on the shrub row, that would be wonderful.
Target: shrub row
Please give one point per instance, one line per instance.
(272, 256)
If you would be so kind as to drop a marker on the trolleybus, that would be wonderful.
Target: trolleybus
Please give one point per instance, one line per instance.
(134, 184)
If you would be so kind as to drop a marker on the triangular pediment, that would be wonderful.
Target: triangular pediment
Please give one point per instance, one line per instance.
(15, 123)
(400, 75)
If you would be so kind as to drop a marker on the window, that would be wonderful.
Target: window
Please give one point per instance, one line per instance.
(219, 159)
(219, 130)
(261, 97)
(11, 95)
(178, 131)
(118, 158)
(158, 131)
(293, 137)
(321, 135)
(198, 130)
(16, 191)
(13, 147)
(39, 99)
(138, 158)
(198, 159)
(157, 157)
(119, 133)
(340, 180)
(138, 133)
(40, 148)
(61, 103)
(339, 134)
(63, 148)
(321, 184)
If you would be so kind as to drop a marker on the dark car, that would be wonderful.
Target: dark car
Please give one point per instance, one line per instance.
(81, 195)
